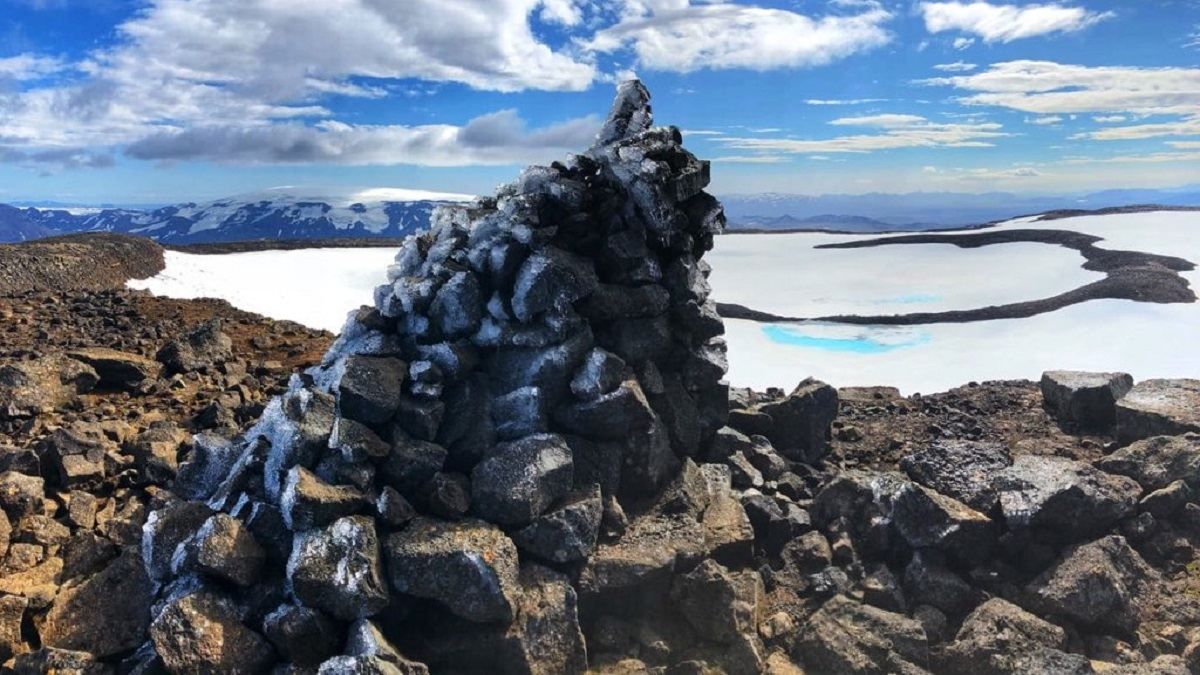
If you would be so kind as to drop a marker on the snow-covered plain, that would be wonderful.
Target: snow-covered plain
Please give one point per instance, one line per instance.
(1147, 340)
(784, 274)
(316, 287)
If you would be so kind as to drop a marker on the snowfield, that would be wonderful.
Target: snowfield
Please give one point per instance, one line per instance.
(316, 287)
(784, 274)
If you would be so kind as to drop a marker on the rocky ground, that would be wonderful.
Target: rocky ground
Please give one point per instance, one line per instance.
(825, 604)
(74, 526)
(101, 393)
(77, 262)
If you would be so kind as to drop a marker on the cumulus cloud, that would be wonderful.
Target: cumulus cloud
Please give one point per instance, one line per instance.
(678, 36)
(564, 12)
(498, 138)
(245, 66)
(893, 131)
(956, 67)
(843, 101)
(57, 158)
(1045, 121)
(29, 66)
(750, 159)
(1187, 126)
(1149, 158)
(1047, 88)
(1005, 23)
(252, 80)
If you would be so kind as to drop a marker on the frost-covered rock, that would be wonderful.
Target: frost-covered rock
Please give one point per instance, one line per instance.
(1068, 498)
(518, 481)
(468, 566)
(338, 569)
(537, 361)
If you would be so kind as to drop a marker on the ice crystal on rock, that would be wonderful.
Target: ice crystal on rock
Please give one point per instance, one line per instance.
(533, 356)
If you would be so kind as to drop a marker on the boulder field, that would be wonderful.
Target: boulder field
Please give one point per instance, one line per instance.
(524, 459)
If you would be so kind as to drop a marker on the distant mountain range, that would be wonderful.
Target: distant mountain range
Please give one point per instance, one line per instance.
(930, 210)
(827, 223)
(295, 213)
(274, 214)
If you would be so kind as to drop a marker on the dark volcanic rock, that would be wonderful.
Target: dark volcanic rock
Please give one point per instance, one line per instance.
(927, 519)
(1159, 408)
(1085, 401)
(963, 470)
(999, 638)
(117, 369)
(64, 661)
(338, 569)
(370, 388)
(1098, 584)
(1158, 461)
(568, 318)
(224, 548)
(201, 633)
(167, 528)
(307, 501)
(205, 347)
(518, 481)
(468, 566)
(105, 614)
(549, 279)
(848, 637)
(301, 635)
(567, 533)
(1069, 498)
(800, 423)
(411, 463)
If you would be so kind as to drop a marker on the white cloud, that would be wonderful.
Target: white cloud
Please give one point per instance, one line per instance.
(994, 174)
(1046, 88)
(961, 43)
(239, 66)
(750, 159)
(895, 131)
(1109, 119)
(1005, 23)
(564, 12)
(1185, 145)
(677, 36)
(843, 101)
(1151, 158)
(57, 158)
(1046, 121)
(497, 138)
(886, 121)
(956, 67)
(29, 67)
(1187, 126)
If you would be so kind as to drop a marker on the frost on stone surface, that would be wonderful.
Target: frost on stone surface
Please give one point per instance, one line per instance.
(517, 329)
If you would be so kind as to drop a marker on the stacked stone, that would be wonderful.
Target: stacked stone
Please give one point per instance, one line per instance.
(539, 363)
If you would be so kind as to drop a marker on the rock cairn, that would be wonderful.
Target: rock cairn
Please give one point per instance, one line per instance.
(493, 456)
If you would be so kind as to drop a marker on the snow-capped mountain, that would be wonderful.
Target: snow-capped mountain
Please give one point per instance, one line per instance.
(281, 213)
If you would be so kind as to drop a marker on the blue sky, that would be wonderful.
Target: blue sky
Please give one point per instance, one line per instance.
(170, 100)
